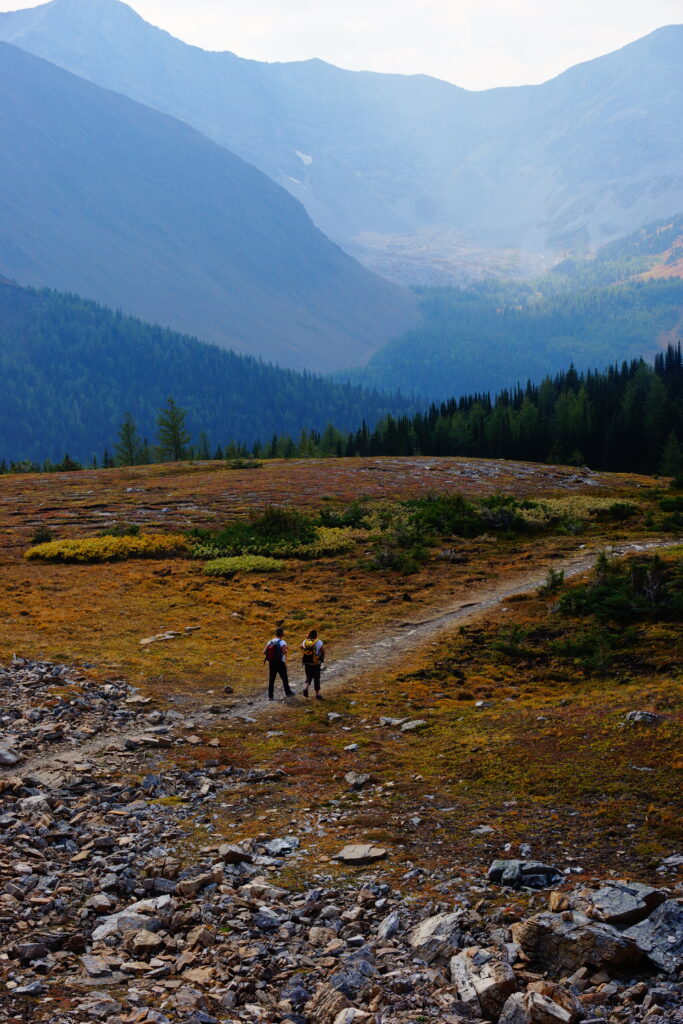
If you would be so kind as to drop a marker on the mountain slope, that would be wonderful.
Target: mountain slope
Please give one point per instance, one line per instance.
(128, 206)
(69, 369)
(579, 160)
(491, 335)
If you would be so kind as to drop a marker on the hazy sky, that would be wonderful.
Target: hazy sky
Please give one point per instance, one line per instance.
(474, 43)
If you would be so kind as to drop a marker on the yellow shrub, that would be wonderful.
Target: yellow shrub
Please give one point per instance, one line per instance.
(228, 567)
(110, 549)
(330, 540)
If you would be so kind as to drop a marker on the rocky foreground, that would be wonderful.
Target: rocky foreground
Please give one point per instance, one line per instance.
(109, 912)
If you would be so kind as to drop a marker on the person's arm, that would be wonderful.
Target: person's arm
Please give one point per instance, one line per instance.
(283, 645)
(321, 651)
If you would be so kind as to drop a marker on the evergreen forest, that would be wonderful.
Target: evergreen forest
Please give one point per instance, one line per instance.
(70, 369)
(491, 334)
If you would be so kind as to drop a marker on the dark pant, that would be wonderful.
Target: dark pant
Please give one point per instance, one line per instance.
(313, 676)
(279, 669)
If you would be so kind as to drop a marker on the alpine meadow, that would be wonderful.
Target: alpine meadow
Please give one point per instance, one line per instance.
(341, 513)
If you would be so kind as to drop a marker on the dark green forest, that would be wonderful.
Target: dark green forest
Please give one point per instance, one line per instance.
(628, 418)
(70, 369)
(492, 334)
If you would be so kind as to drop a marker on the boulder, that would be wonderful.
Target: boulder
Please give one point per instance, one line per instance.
(518, 874)
(389, 926)
(9, 757)
(357, 780)
(416, 725)
(361, 853)
(565, 942)
(144, 943)
(230, 853)
(132, 916)
(535, 1008)
(643, 718)
(436, 936)
(660, 937)
(484, 980)
(326, 1005)
(625, 903)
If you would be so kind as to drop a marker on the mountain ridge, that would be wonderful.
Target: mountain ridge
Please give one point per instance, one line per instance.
(538, 167)
(129, 206)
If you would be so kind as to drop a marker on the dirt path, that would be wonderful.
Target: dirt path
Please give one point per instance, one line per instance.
(387, 649)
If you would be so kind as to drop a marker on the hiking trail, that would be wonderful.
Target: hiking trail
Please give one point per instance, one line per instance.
(386, 648)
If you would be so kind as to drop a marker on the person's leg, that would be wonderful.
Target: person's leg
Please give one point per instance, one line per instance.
(309, 678)
(285, 679)
(272, 672)
(316, 680)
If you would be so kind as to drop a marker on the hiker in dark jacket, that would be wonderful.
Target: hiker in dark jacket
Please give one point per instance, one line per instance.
(312, 659)
(275, 656)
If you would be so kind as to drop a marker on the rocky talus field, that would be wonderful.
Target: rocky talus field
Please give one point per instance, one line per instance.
(480, 820)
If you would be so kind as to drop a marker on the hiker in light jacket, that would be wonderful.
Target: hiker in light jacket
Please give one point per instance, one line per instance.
(275, 656)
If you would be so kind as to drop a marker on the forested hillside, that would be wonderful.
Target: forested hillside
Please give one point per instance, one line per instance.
(628, 418)
(491, 335)
(70, 369)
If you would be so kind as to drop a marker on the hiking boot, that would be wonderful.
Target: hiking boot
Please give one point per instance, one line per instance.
(305, 691)
(318, 696)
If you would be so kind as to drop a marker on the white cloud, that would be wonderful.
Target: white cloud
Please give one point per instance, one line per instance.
(474, 43)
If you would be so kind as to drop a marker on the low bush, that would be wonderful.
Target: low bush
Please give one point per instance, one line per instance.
(630, 590)
(355, 515)
(119, 530)
(111, 549)
(42, 536)
(244, 464)
(226, 568)
(276, 532)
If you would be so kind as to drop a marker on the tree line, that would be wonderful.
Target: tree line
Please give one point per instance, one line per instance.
(628, 418)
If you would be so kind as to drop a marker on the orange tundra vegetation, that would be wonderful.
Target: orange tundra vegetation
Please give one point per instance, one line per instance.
(518, 726)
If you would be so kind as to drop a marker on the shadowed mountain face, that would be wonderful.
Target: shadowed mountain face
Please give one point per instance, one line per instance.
(584, 158)
(128, 206)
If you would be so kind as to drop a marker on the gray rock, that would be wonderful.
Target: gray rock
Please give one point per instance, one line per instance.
(535, 1008)
(230, 853)
(484, 980)
(437, 936)
(565, 942)
(389, 926)
(661, 936)
(357, 780)
(643, 717)
(416, 725)
(9, 757)
(361, 853)
(626, 903)
(518, 874)
(133, 916)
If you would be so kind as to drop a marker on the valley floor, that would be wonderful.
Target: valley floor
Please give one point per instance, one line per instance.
(467, 717)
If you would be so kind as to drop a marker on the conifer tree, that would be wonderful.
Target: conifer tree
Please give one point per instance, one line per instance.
(128, 448)
(173, 438)
(672, 457)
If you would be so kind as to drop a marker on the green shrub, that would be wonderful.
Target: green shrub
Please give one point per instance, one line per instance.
(354, 515)
(244, 464)
(595, 647)
(110, 549)
(554, 581)
(511, 641)
(118, 530)
(618, 511)
(42, 536)
(631, 590)
(226, 568)
(274, 532)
